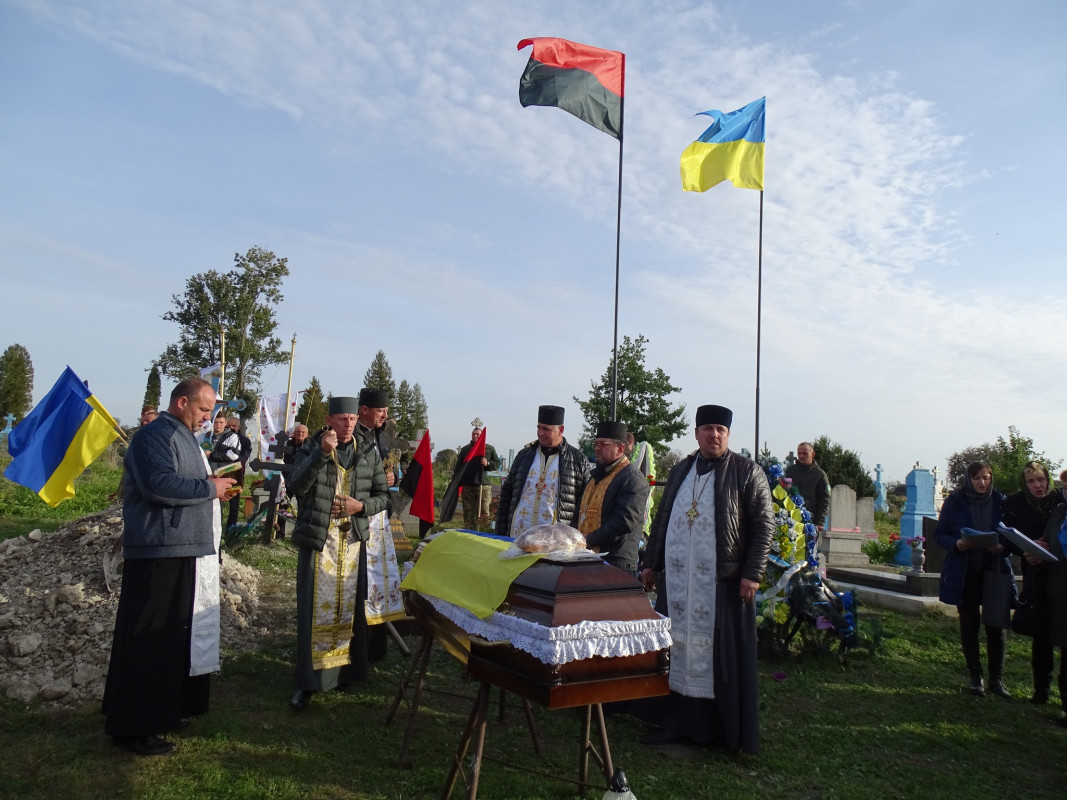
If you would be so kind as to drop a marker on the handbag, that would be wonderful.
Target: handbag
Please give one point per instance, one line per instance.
(1027, 620)
(998, 594)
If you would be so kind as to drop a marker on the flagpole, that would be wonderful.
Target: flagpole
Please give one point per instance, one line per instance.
(618, 240)
(759, 316)
(289, 389)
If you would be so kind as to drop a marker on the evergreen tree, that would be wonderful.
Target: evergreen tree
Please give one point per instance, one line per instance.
(240, 302)
(420, 414)
(16, 383)
(843, 467)
(380, 376)
(641, 399)
(313, 407)
(401, 409)
(154, 389)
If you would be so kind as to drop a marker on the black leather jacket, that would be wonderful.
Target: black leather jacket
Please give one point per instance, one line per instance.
(744, 517)
(574, 471)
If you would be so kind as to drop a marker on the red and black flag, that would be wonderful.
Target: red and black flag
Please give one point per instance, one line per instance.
(585, 81)
(448, 502)
(417, 483)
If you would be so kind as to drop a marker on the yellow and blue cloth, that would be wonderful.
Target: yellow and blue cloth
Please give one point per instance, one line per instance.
(730, 150)
(54, 443)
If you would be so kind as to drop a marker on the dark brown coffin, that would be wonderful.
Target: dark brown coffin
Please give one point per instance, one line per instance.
(555, 593)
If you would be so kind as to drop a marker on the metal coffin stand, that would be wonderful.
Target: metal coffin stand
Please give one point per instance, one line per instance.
(550, 594)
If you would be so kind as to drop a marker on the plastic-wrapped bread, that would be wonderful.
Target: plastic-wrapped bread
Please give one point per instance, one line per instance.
(554, 538)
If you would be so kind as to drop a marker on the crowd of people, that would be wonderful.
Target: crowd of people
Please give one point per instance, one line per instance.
(705, 557)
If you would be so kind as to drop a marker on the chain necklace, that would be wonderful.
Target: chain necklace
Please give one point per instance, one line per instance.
(692, 513)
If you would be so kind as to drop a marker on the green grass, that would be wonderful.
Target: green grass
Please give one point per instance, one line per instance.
(21, 510)
(896, 722)
(891, 721)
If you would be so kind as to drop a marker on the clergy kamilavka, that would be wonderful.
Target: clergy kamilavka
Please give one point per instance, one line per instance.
(340, 483)
(709, 545)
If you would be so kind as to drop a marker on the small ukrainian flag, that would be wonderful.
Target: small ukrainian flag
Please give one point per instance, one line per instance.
(66, 432)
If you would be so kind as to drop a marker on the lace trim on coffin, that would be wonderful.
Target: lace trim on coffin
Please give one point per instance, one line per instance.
(565, 643)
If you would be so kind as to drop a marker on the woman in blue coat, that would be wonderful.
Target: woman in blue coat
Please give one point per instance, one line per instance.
(975, 505)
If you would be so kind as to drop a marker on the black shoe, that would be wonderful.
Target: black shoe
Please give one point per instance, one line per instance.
(997, 687)
(301, 699)
(144, 745)
(662, 737)
(1040, 697)
(184, 723)
(977, 688)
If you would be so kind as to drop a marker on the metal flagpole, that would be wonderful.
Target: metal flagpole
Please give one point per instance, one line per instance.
(759, 317)
(289, 388)
(618, 238)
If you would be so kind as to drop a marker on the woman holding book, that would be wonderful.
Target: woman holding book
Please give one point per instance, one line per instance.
(967, 569)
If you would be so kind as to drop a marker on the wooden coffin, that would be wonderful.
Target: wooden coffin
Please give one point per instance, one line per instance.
(554, 593)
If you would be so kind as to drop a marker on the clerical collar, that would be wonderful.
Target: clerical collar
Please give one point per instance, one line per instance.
(549, 451)
(706, 465)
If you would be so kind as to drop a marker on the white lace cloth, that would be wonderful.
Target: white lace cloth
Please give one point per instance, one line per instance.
(565, 643)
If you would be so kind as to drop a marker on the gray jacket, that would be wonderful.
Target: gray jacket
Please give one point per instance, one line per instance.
(167, 508)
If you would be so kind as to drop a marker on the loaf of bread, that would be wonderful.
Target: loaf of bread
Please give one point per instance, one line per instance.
(554, 538)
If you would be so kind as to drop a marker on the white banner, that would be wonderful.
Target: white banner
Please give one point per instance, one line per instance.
(272, 418)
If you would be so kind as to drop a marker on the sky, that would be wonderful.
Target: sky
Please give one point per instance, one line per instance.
(911, 305)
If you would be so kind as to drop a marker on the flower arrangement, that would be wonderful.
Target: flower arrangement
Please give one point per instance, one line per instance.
(916, 542)
(882, 549)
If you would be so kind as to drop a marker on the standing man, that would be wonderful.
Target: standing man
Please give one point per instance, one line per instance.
(171, 531)
(477, 491)
(295, 442)
(385, 601)
(643, 459)
(710, 540)
(233, 424)
(546, 480)
(812, 483)
(340, 483)
(613, 504)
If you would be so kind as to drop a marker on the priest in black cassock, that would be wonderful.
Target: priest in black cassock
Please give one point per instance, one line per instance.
(706, 556)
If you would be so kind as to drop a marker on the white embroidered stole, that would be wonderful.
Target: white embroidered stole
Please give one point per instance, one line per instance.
(384, 600)
(540, 494)
(690, 560)
(207, 613)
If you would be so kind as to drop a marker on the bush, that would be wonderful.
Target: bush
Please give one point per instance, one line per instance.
(882, 550)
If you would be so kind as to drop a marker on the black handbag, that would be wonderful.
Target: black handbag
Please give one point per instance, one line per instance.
(998, 597)
(1028, 619)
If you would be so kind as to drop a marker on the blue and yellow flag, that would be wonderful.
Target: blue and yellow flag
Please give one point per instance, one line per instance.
(65, 433)
(730, 150)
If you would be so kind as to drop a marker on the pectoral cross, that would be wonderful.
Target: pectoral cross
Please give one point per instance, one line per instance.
(692, 514)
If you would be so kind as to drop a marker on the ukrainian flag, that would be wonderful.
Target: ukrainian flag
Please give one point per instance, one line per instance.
(730, 150)
(65, 433)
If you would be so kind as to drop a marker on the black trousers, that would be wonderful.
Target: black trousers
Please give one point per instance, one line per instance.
(970, 611)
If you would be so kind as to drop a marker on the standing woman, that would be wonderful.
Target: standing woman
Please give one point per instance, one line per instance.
(1055, 540)
(975, 505)
(1029, 510)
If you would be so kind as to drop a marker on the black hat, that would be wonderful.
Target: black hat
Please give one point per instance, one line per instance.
(550, 415)
(714, 415)
(342, 405)
(373, 398)
(611, 429)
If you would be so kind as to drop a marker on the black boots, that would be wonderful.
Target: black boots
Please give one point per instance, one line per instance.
(976, 688)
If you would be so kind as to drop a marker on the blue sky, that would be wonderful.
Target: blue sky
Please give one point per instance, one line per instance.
(911, 302)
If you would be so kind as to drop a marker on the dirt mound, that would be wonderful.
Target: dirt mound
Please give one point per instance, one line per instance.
(57, 609)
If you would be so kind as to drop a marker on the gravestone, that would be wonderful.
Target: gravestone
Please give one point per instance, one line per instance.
(918, 506)
(848, 525)
(880, 502)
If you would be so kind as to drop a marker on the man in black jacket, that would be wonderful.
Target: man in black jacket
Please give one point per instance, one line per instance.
(546, 480)
(709, 544)
(613, 505)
